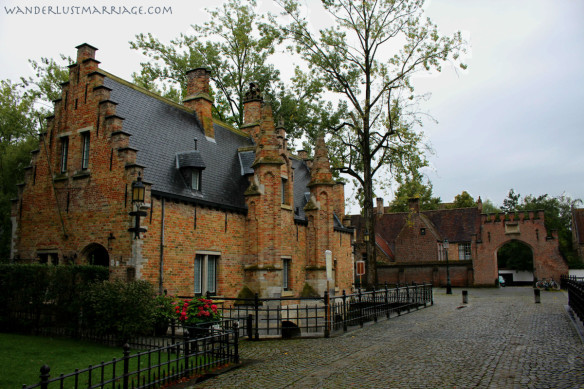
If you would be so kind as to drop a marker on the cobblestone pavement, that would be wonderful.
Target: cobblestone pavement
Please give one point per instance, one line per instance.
(500, 339)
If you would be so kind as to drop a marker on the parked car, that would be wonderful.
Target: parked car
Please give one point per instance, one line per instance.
(501, 281)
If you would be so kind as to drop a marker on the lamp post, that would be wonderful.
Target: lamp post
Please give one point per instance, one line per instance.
(448, 286)
(138, 191)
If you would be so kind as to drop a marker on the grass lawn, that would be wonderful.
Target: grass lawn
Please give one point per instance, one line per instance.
(21, 358)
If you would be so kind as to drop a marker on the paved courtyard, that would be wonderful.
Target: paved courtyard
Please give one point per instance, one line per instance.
(500, 339)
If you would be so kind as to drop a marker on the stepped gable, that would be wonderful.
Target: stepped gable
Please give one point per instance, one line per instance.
(160, 130)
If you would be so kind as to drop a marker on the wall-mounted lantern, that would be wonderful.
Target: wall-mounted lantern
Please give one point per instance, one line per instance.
(138, 191)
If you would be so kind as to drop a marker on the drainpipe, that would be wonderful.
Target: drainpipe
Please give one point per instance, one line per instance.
(161, 276)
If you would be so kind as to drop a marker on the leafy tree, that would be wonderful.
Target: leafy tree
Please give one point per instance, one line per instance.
(358, 59)
(515, 255)
(414, 188)
(489, 207)
(511, 203)
(22, 107)
(235, 45)
(464, 200)
(17, 140)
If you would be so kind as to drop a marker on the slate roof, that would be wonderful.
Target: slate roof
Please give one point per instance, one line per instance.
(456, 225)
(164, 135)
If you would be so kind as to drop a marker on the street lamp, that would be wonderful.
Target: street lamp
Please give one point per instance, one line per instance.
(138, 191)
(448, 286)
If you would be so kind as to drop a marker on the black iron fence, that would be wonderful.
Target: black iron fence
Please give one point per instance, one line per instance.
(575, 287)
(322, 316)
(192, 356)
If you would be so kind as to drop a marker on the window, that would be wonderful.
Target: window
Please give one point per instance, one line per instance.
(196, 179)
(64, 153)
(85, 150)
(464, 251)
(422, 231)
(286, 262)
(49, 258)
(284, 182)
(206, 273)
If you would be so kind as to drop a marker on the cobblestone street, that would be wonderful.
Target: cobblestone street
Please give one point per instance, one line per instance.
(500, 339)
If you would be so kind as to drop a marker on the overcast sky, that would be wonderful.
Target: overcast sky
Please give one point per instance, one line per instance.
(510, 121)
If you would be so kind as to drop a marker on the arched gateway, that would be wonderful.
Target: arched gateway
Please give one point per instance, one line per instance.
(95, 254)
(527, 227)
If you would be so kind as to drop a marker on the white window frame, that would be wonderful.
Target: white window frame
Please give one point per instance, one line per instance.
(196, 179)
(205, 272)
(464, 251)
(286, 272)
(85, 144)
(64, 153)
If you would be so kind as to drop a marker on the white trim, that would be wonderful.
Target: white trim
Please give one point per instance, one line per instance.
(64, 134)
(86, 129)
(208, 252)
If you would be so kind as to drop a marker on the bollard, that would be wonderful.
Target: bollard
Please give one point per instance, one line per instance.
(536, 293)
(465, 296)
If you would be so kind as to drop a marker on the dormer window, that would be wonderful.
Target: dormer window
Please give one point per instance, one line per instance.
(191, 166)
(195, 179)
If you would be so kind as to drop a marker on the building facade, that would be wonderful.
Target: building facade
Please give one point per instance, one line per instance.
(224, 208)
(411, 246)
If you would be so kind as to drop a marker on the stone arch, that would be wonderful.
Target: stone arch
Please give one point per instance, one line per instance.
(95, 254)
(498, 230)
(510, 276)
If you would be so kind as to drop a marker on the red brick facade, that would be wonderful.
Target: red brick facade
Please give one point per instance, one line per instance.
(79, 213)
(410, 246)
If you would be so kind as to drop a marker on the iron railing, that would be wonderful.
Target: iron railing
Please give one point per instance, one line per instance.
(321, 316)
(160, 366)
(575, 287)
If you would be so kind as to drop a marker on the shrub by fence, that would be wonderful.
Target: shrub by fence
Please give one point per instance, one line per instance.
(156, 367)
(28, 292)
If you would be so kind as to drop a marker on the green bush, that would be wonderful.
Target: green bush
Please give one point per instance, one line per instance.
(46, 295)
(118, 308)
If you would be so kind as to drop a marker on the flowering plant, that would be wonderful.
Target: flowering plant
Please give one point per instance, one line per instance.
(196, 311)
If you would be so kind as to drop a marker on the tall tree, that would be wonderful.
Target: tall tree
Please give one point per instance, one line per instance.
(235, 44)
(368, 58)
(463, 200)
(17, 140)
(414, 188)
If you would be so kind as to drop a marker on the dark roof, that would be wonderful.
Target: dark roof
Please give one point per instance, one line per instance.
(164, 134)
(160, 130)
(456, 225)
(190, 159)
(246, 159)
(301, 180)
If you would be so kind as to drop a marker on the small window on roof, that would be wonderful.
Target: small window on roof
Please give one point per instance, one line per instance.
(195, 179)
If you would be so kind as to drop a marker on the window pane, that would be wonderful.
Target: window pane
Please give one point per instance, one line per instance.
(211, 273)
(195, 177)
(198, 273)
(85, 151)
(285, 273)
(64, 152)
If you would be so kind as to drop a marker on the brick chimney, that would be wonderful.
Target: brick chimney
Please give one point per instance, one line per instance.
(380, 205)
(414, 204)
(252, 111)
(199, 99)
(85, 51)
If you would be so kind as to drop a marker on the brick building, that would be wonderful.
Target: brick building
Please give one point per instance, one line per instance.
(224, 208)
(410, 245)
